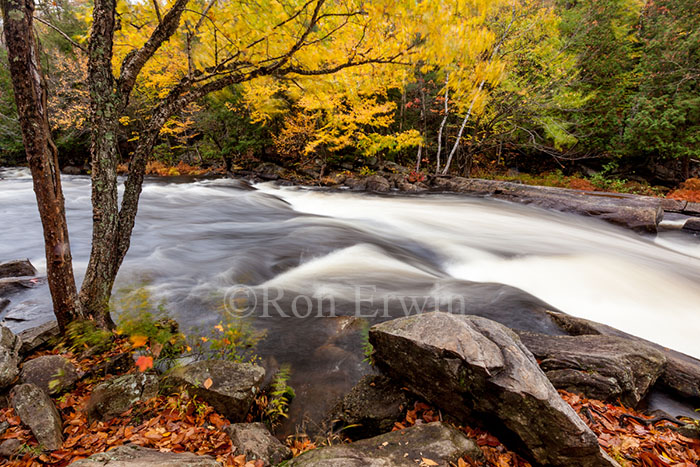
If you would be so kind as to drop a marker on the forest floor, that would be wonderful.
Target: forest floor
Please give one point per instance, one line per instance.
(178, 423)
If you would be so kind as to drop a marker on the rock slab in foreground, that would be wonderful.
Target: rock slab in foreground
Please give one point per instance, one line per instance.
(117, 395)
(233, 389)
(35, 337)
(435, 441)
(9, 356)
(53, 374)
(257, 443)
(475, 368)
(36, 410)
(601, 367)
(137, 456)
(370, 408)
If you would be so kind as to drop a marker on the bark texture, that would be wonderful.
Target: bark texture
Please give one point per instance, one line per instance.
(30, 96)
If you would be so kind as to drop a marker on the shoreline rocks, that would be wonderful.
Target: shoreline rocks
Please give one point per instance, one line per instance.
(130, 455)
(474, 368)
(36, 410)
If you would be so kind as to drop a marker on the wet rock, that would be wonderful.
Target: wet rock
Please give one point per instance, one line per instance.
(257, 443)
(72, 170)
(475, 368)
(692, 224)
(9, 356)
(641, 213)
(36, 410)
(435, 441)
(601, 367)
(681, 374)
(233, 385)
(136, 456)
(13, 285)
(10, 447)
(117, 395)
(52, 374)
(3, 427)
(378, 183)
(356, 184)
(17, 268)
(370, 408)
(35, 337)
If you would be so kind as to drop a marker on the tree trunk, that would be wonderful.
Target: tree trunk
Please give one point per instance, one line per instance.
(104, 120)
(30, 95)
(444, 121)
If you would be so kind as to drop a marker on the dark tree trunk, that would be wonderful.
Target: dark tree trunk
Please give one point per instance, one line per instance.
(104, 121)
(30, 95)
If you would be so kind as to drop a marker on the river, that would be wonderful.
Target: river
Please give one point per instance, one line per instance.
(300, 263)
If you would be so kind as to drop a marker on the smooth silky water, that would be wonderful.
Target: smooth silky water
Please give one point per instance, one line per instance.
(313, 268)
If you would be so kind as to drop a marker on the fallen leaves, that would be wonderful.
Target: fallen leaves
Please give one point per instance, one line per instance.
(144, 363)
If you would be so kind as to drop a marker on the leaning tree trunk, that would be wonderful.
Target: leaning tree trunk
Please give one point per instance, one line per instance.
(30, 95)
(104, 119)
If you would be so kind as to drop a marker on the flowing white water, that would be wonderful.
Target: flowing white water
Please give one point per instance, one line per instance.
(374, 256)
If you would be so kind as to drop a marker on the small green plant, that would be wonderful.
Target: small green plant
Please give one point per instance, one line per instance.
(367, 347)
(366, 171)
(233, 339)
(84, 335)
(280, 396)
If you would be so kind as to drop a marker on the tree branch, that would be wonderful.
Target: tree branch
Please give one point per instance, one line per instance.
(65, 36)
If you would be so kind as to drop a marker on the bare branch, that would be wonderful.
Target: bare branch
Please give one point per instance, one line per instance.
(65, 36)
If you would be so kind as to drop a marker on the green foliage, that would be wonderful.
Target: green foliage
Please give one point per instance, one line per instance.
(233, 339)
(367, 347)
(83, 336)
(279, 397)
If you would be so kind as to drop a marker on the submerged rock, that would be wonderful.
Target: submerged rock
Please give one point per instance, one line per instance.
(53, 374)
(474, 368)
(601, 367)
(136, 456)
(436, 442)
(117, 395)
(9, 356)
(233, 385)
(36, 410)
(370, 408)
(377, 183)
(257, 443)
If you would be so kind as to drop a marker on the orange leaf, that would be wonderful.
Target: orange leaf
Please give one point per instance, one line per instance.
(208, 383)
(144, 363)
(138, 341)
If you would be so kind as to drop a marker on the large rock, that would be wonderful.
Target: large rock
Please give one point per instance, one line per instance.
(437, 442)
(9, 356)
(474, 368)
(681, 374)
(37, 411)
(642, 213)
(136, 456)
(12, 285)
(17, 268)
(233, 385)
(370, 408)
(35, 337)
(378, 183)
(117, 395)
(601, 367)
(53, 374)
(257, 443)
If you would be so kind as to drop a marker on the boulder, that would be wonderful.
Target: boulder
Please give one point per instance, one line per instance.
(370, 408)
(692, 224)
(476, 369)
(233, 385)
(17, 268)
(9, 356)
(36, 410)
(117, 395)
(53, 374)
(437, 442)
(257, 443)
(378, 183)
(35, 337)
(13, 285)
(601, 367)
(356, 184)
(131, 455)
(680, 375)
